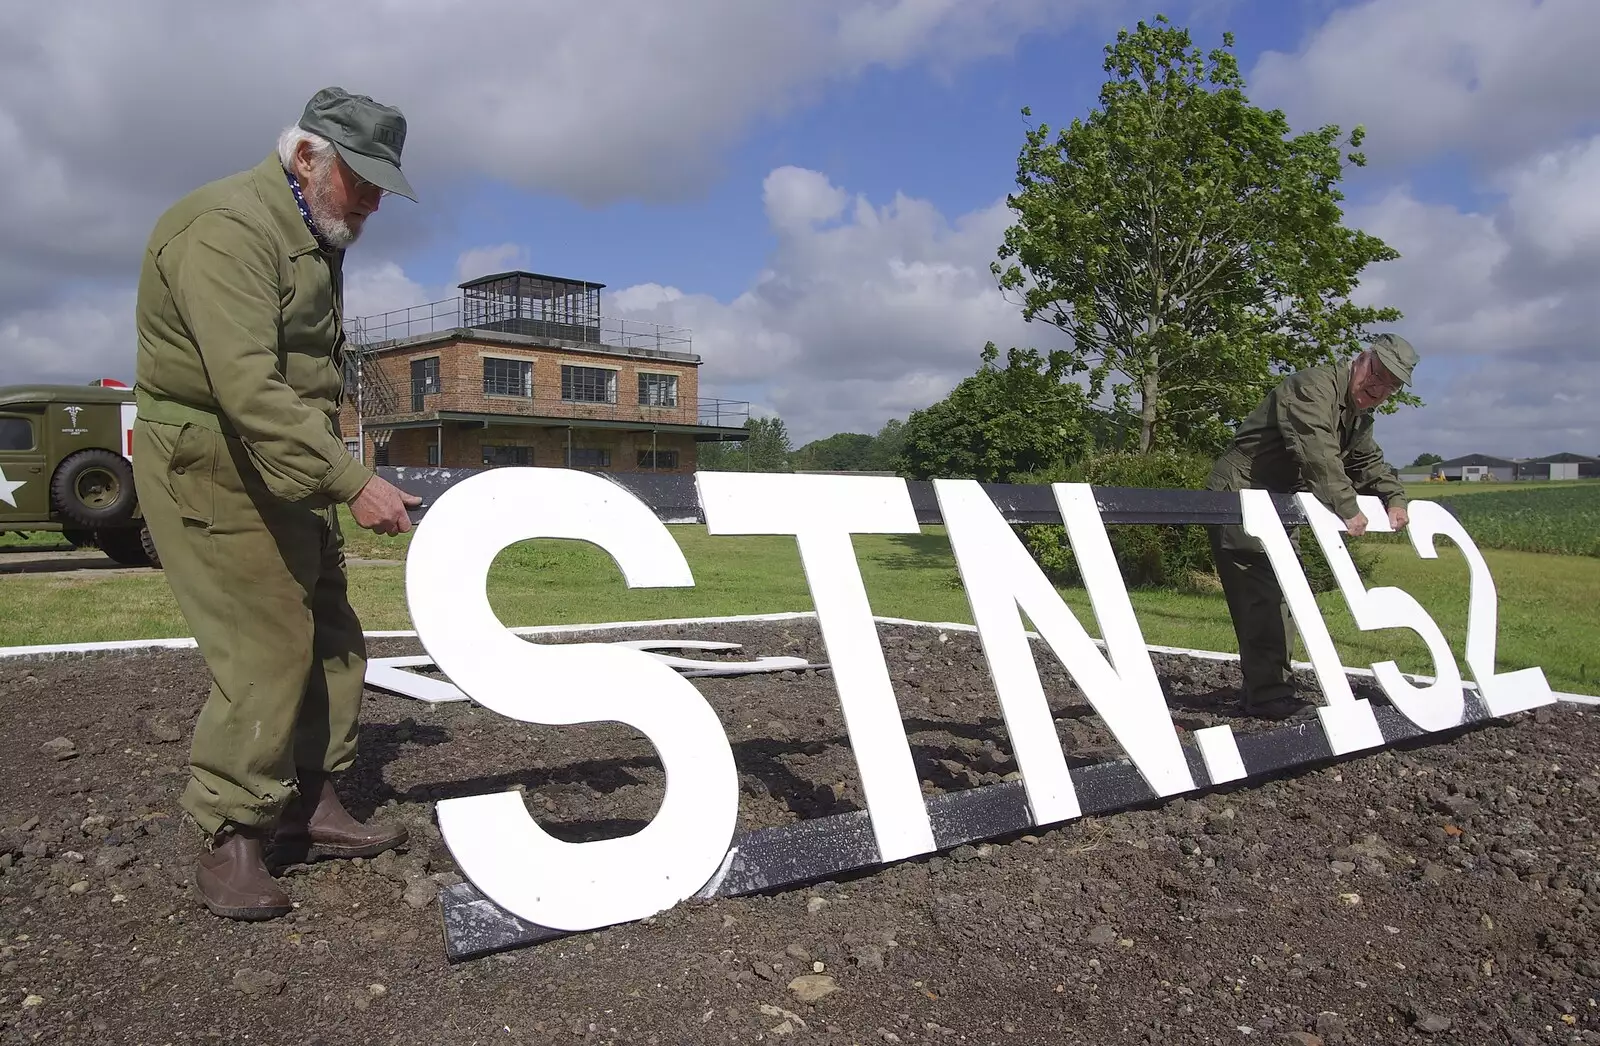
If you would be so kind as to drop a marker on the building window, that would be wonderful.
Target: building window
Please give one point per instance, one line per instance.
(495, 457)
(353, 446)
(507, 377)
(590, 458)
(588, 384)
(424, 381)
(380, 455)
(660, 459)
(433, 453)
(16, 434)
(658, 390)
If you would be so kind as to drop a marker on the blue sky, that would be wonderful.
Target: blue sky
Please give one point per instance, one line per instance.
(816, 190)
(950, 136)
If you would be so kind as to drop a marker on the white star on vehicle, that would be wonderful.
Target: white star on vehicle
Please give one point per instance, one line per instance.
(8, 488)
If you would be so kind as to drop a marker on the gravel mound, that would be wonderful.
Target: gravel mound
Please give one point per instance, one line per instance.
(1444, 891)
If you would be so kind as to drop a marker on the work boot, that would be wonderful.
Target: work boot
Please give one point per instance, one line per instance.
(316, 824)
(1274, 704)
(234, 881)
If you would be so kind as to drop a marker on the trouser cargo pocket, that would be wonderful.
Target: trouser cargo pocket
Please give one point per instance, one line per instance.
(191, 473)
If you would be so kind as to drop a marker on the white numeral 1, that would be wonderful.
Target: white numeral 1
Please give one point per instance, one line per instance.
(1348, 722)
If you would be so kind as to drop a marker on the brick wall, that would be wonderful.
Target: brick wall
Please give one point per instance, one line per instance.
(464, 447)
(461, 388)
(461, 380)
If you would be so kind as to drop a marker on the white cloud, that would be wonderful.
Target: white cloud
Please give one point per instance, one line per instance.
(863, 313)
(109, 111)
(796, 198)
(480, 261)
(1493, 78)
(1554, 205)
(1501, 305)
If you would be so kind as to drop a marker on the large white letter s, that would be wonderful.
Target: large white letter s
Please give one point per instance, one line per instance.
(499, 847)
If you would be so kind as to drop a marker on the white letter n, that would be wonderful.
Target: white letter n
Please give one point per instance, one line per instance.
(1000, 577)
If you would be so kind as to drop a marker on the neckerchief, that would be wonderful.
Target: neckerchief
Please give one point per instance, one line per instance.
(305, 211)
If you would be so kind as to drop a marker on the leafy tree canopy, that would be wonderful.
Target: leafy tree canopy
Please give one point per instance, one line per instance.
(1022, 417)
(1186, 241)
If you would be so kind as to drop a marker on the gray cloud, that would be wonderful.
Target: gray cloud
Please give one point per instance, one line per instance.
(862, 313)
(1490, 79)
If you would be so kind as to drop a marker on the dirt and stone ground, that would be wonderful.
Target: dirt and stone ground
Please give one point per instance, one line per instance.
(1445, 892)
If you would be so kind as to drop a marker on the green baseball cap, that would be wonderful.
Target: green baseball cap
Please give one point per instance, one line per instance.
(1396, 354)
(368, 136)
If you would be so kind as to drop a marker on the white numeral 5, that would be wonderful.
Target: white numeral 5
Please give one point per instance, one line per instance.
(1438, 706)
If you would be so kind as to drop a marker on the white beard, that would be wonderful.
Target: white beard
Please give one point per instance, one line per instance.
(334, 229)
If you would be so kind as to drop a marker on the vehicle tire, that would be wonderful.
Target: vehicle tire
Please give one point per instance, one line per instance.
(95, 488)
(148, 543)
(125, 545)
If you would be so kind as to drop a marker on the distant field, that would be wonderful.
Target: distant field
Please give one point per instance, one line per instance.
(1562, 518)
(1438, 491)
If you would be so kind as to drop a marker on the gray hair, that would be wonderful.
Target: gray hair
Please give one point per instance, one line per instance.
(289, 142)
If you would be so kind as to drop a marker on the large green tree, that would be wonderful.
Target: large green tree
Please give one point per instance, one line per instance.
(1023, 417)
(1186, 241)
(765, 448)
(842, 451)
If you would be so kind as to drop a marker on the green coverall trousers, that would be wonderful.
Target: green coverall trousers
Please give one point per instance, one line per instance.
(1261, 619)
(262, 585)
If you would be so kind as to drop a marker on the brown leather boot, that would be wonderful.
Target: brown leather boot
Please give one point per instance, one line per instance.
(234, 881)
(316, 824)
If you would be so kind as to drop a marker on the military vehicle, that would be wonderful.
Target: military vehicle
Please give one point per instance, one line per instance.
(66, 466)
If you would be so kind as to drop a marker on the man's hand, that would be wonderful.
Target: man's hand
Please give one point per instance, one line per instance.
(1356, 525)
(381, 507)
(1398, 517)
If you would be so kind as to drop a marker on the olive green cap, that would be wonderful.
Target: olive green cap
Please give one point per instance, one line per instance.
(1396, 354)
(368, 136)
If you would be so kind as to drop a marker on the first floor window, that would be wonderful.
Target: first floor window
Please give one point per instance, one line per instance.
(658, 390)
(507, 377)
(588, 384)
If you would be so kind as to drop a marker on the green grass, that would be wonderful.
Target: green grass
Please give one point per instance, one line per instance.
(1440, 491)
(1546, 602)
(1562, 518)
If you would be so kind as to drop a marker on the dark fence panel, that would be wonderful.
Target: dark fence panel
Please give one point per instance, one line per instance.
(673, 499)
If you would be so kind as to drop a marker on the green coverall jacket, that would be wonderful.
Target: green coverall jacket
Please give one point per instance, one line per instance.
(1307, 435)
(248, 330)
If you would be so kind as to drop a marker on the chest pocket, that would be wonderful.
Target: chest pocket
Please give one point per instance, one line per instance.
(310, 313)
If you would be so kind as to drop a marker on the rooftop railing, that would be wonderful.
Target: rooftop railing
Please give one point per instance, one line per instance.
(461, 313)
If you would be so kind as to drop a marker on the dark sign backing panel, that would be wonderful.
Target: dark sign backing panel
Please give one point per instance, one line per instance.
(673, 498)
(824, 847)
(1133, 706)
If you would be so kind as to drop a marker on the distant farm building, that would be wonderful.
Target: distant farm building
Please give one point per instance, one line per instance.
(1479, 468)
(1475, 468)
(1559, 466)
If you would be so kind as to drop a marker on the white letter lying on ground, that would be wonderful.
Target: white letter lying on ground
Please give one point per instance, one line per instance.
(569, 886)
(822, 512)
(1000, 576)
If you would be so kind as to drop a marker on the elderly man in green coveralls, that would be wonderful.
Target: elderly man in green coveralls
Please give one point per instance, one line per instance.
(241, 467)
(1312, 433)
